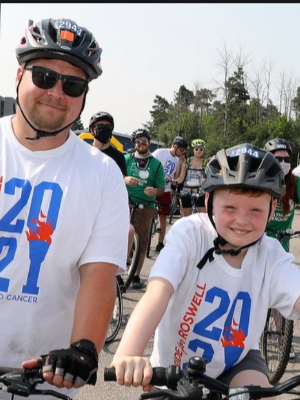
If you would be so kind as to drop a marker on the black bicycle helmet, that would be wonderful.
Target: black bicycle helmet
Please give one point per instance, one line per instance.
(140, 133)
(278, 144)
(181, 142)
(100, 116)
(61, 39)
(245, 166)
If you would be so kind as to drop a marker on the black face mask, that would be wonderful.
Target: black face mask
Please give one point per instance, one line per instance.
(103, 132)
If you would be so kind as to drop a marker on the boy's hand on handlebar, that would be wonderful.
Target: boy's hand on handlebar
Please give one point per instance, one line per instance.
(133, 371)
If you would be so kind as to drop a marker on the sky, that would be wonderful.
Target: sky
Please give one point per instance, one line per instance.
(152, 49)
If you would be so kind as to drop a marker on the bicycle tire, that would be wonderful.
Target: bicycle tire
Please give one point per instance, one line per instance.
(173, 208)
(151, 234)
(131, 269)
(276, 342)
(116, 317)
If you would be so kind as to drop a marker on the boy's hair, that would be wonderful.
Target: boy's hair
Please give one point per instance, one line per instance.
(245, 191)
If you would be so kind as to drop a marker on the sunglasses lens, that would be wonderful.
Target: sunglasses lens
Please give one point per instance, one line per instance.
(198, 149)
(285, 159)
(73, 87)
(138, 141)
(45, 78)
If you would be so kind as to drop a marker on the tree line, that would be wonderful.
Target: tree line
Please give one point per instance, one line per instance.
(238, 109)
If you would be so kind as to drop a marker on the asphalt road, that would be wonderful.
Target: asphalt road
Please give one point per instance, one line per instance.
(110, 390)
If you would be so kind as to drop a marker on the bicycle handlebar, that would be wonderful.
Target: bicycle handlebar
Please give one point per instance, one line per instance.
(192, 383)
(23, 382)
(282, 234)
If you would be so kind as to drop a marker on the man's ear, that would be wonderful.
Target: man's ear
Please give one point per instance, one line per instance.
(274, 204)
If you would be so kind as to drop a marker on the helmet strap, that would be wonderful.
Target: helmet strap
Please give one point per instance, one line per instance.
(40, 133)
(219, 240)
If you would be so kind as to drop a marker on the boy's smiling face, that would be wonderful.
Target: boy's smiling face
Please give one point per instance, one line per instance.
(241, 218)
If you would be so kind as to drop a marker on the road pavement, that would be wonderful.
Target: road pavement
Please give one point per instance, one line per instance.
(112, 391)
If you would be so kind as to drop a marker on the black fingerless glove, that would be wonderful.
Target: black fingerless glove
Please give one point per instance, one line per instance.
(78, 363)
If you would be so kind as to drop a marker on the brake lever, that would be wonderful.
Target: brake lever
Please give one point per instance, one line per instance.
(22, 383)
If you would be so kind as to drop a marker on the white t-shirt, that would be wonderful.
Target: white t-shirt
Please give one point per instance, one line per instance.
(296, 171)
(59, 209)
(219, 312)
(170, 164)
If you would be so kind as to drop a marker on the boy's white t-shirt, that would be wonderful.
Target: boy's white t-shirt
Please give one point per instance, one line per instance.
(59, 209)
(219, 312)
(170, 164)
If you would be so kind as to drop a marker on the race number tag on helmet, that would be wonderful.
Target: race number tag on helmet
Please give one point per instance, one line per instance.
(245, 150)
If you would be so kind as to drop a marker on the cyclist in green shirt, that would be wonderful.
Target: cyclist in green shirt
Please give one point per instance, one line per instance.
(145, 181)
(285, 211)
(283, 216)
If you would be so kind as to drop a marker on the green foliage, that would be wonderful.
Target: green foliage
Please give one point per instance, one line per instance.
(223, 123)
(77, 125)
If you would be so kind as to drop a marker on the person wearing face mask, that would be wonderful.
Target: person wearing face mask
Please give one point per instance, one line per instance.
(101, 126)
(285, 211)
(283, 216)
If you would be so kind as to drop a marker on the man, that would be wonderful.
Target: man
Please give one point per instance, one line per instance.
(145, 181)
(58, 213)
(170, 159)
(101, 127)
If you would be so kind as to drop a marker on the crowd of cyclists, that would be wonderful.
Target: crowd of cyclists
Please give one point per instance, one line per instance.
(181, 169)
(65, 233)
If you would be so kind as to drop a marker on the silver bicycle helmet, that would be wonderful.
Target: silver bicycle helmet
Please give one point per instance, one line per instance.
(245, 166)
(61, 39)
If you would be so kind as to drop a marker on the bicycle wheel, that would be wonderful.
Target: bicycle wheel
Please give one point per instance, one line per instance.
(276, 342)
(151, 234)
(134, 260)
(173, 208)
(116, 317)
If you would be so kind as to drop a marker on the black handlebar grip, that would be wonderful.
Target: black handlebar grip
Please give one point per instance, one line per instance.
(161, 376)
(110, 374)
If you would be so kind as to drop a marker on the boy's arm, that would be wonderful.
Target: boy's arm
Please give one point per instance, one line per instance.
(131, 367)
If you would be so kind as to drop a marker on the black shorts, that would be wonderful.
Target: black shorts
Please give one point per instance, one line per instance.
(253, 361)
(187, 203)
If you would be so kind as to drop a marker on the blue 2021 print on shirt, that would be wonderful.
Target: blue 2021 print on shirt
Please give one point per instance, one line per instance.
(40, 227)
(234, 332)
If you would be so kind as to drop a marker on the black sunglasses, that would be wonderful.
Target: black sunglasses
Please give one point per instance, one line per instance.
(46, 78)
(285, 159)
(142, 140)
(198, 149)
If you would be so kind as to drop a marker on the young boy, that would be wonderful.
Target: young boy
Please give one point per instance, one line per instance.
(211, 286)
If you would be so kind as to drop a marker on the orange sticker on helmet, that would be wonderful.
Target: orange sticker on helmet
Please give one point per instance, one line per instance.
(67, 35)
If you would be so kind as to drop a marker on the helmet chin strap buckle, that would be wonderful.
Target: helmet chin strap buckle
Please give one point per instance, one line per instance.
(40, 134)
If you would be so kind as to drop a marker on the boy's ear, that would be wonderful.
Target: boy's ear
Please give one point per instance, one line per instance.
(274, 204)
